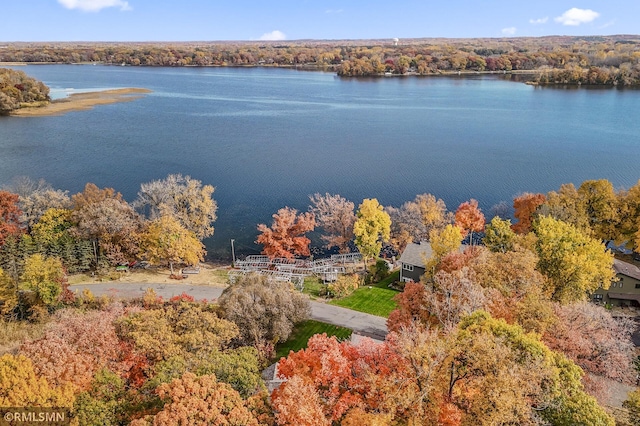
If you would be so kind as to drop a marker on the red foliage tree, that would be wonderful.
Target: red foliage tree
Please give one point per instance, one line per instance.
(525, 206)
(410, 307)
(9, 215)
(345, 376)
(469, 218)
(286, 237)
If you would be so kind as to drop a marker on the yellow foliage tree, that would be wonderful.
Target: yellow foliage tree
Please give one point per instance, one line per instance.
(573, 262)
(8, 295)
(43, 276)
(443, 242)
(372, 227)
(166, 240)
(21, 387)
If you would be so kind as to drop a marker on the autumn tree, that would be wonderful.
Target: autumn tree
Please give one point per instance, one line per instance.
(601, 206)
(105, 403)
(93, 195)
(343, 286)
(114, 225)
(102, 216)
(629, 220)
(573, 263)
(469, 218)
(44, 277)
(177, 337)
(183, 198)
(285, 237)
(8, 294)
(434, 212)
(413, 221)
(20, 386)
(451, 296)
(36, 197)
(299, 403)
(512, 273)
(410, 307)
(590, 336)
(499, 236)
(372, 227)
(443, 242)
(183, 329)
(499, 373)
(264, 310)
(52, 229)
(525, 206)
(9, 216)
(343, 376)
(335, 215)
(566, 205)
(513, 287)
(632, 405)
(75, 346)
(166, 240)
(192, 400)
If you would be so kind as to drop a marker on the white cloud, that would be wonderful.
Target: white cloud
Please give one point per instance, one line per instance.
(94, 5)
(509, 31)
(575, 17)
(539, 21)
(333, 11)
(273, 36)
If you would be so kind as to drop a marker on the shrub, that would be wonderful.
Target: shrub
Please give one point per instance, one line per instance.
(344, 285)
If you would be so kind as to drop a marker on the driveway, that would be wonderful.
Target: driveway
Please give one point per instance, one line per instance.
(364, 324)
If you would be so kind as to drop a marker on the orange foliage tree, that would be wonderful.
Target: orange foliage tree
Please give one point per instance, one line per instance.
(192, 400)
(286, 237)
(469, 218)
(525, 206)
(343, 376)
(9, 215)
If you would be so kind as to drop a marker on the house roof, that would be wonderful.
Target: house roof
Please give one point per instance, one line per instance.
(626, 269)
(625, 296)
(414, 254)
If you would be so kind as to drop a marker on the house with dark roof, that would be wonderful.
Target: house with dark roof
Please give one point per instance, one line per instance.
(412, 261)
(625, 291)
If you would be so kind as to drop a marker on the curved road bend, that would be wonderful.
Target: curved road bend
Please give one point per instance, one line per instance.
(364, 324)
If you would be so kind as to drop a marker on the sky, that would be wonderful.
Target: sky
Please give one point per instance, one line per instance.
(214, 20)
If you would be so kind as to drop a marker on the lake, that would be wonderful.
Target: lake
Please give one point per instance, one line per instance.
(269, 138)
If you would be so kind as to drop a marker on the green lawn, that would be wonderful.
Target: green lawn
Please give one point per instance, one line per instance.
(303, 331)
(313, 287)
(376, 299)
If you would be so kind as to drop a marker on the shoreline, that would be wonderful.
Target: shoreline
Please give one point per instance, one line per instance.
(82, 102)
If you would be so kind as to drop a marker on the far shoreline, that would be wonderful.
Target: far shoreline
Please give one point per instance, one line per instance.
(82, 102)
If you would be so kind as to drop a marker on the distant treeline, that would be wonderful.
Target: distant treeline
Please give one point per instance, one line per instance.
(18, 89)
(607, 60)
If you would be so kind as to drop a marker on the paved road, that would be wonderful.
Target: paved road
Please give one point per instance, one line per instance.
(365, 324)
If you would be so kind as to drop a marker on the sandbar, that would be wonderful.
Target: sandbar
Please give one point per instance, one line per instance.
(82, 101)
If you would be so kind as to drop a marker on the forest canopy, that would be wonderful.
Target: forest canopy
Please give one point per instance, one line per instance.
(603, 60)
(17, 89)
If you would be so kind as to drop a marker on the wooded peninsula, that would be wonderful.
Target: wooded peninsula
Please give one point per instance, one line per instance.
(592, 60)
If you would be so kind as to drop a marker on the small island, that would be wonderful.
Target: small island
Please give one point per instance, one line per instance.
(21, 95)
(82, 101)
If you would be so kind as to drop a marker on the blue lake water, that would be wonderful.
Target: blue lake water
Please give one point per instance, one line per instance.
(268, 138)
